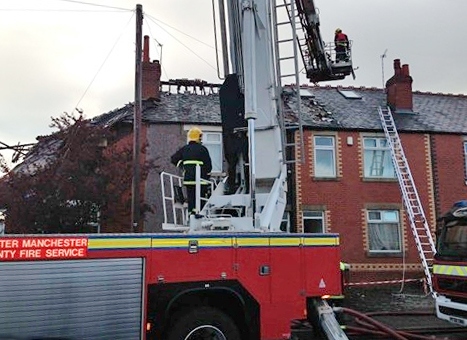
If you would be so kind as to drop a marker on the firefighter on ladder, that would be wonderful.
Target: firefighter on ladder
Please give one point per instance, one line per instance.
(341, 42)
(189, 157)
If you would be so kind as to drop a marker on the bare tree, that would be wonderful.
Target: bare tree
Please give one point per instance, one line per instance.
(84, 181)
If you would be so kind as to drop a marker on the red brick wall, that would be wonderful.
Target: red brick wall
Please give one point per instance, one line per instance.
(151, 80)
(449, 173)
(346, 198)
(400, 96)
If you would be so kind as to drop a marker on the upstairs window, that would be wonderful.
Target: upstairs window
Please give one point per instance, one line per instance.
(384, 233)
(377, 158)
(213, 142)
(325, 156)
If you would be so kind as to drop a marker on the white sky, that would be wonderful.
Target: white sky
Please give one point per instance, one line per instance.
(57, 55)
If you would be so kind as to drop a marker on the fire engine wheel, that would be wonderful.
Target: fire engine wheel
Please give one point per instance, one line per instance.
(204, 323)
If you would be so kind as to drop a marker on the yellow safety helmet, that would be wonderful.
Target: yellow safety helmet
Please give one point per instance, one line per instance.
(338, 30)
(195, 134)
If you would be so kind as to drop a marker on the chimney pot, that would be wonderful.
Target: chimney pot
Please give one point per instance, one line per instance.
(397, 66)
(405, 70)
(151, 74)
(146, 49)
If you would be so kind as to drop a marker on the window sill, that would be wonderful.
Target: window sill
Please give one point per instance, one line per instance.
(326, 179)
(370, 179)
(396, 255)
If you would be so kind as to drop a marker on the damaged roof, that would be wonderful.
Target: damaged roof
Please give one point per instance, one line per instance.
(432, 112)
(326, 107)
(172, 108)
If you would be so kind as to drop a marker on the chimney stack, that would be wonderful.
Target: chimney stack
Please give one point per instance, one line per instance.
(151, 74)
(399, 88)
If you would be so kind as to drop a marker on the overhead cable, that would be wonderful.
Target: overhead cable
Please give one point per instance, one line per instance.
(103, 63)
(205, 61)
(98, 5)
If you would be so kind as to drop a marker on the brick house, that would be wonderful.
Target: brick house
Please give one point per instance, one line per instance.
(346, 182)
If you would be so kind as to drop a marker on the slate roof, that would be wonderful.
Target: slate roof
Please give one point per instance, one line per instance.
(433, 112)
(326, 108)
(172, 108)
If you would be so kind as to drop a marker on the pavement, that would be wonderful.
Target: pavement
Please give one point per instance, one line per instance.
(406, 307)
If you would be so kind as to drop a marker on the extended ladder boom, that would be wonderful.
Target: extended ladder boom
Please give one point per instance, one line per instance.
(418, 222)
(318, 56)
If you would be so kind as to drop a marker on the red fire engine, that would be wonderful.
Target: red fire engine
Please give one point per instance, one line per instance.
(152, 286)
(450, 265)
(233, 274)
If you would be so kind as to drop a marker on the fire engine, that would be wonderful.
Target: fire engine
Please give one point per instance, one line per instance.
(450, 265)
(227, 272)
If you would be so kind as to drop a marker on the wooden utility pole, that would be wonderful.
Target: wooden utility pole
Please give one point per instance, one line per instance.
(135, 195)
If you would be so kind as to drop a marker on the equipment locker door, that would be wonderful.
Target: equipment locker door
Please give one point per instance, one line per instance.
(77, 299)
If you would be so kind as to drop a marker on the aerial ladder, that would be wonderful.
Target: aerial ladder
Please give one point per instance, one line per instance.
(258, 204)
(418, 222)
(319, 57)
(256, 58)
(258, 54)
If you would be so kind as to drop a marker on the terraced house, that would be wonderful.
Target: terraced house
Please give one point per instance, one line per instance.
(344, 180)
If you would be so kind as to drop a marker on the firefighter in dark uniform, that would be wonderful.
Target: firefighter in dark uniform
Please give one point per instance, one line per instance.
(188, 157)
(234, 131)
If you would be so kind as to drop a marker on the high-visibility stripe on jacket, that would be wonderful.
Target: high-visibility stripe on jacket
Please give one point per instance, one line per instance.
(189, 156)
(188, 162)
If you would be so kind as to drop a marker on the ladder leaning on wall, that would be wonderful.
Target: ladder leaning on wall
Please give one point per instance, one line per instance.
(418, 222)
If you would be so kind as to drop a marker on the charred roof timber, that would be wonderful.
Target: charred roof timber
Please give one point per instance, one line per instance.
(195, 86)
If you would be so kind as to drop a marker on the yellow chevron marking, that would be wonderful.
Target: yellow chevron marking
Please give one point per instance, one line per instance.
(450, 270)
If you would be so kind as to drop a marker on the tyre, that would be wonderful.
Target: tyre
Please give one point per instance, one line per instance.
(204, 323)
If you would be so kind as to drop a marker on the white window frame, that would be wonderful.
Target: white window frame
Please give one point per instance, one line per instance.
(315, 215)
(209, 130)
(384, 219)
(216, 160)
(285, 223)
(381, 149)
(325, 148)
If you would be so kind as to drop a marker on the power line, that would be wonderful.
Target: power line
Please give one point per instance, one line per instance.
(57, 10)
(103, 63)
(97, 5)
(189, 49)
(157, 20)
(113, 8)
(160, 55)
